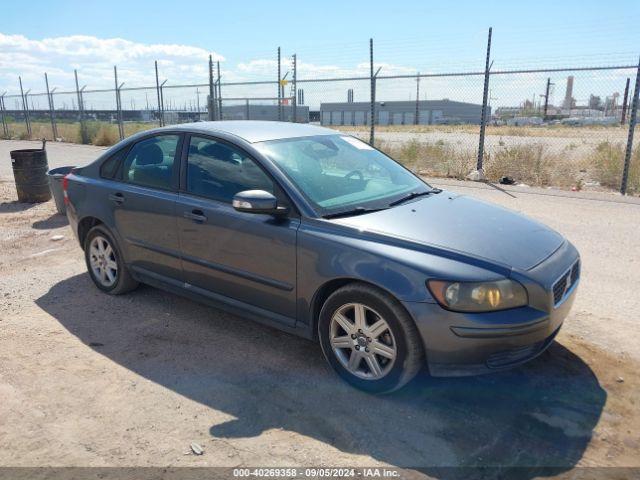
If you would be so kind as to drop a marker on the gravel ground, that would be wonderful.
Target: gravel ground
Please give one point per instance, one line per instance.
(87, 379)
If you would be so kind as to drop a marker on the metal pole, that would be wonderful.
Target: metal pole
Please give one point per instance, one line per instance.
(632, 126)
(210, 102)
(53, 109)
(546, 98)
(118, 105)
(246, 102)
(624, 103)
(52, 115)
(83, 132)
(373, 94)
(24, 109)
(417, 118)
(5, 128)
(162, 103)
(279, 90)
(158, 93)
(198, 103)
(219, 94)
(483, 118)
(294, 100)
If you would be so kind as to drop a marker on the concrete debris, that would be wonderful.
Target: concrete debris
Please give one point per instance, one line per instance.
(476, 175)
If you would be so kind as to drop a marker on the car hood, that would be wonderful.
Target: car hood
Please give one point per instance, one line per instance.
(462, 224)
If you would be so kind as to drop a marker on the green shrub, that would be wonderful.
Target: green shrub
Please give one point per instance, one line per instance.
(437, 159)
(106, 136)
(607, 162)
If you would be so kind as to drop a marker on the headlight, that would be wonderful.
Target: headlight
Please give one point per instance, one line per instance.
(478, 296)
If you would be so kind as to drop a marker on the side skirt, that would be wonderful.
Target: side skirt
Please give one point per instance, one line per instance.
(230, 305)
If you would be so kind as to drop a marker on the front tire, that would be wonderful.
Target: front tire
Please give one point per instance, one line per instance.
(369, 339)
(105, 264)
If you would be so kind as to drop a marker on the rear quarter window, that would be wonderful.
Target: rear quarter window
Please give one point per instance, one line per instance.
(109, 167)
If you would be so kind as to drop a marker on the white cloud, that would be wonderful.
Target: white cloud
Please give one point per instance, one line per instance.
(94, 58)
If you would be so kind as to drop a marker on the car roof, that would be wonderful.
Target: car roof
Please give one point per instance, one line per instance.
(254, 131)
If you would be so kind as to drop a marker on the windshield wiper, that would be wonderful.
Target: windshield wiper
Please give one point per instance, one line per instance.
(354, 212)
(413, 195)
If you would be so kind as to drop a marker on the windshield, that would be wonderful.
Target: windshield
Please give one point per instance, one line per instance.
(338, 173)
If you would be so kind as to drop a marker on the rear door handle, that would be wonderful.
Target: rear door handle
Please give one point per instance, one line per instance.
(196, 215)
(117, 198)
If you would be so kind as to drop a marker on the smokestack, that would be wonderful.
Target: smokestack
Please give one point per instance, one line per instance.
(568, 96)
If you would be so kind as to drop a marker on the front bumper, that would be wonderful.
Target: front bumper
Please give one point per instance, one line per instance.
(458, 344)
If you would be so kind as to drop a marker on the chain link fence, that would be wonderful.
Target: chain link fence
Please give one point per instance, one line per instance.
(563, 127)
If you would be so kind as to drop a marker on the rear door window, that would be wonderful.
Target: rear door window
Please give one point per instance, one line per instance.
(150, 162)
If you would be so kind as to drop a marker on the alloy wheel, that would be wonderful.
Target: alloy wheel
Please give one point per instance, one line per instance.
(362, 341)
(102, 259)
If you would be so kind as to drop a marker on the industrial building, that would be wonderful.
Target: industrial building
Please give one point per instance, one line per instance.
(229, 112)
(264, 112)
(429, 112)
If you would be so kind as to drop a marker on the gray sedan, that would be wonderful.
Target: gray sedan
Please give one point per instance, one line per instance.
(319, 234)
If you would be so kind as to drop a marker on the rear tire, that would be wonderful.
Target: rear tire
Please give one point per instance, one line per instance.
(369, 339)
(105, 263)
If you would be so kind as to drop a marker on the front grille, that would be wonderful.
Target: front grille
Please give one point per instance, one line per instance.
(568, 279)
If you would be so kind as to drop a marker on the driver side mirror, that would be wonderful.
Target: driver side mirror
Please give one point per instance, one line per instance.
(257, 201)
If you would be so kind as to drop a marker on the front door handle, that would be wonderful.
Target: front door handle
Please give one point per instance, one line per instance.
(196, 215)
(117, 198)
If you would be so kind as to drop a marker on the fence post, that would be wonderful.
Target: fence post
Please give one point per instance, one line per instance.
(52, 115)
(118, 105)
(623, 118)
(5, 127)
(483, 118)
(632, 126)
(84, 135)
(417, 117)
(219, 94)
(25, 108)
(279, 90)
(373, 94)
(158, 94)
(294, 100)
(210, 102)
(162, 103)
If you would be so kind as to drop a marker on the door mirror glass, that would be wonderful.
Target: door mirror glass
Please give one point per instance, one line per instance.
(257, 201)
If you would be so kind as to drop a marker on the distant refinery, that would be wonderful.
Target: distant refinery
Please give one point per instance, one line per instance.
(541, 110)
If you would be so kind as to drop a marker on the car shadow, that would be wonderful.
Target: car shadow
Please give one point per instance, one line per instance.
(56, 220)
(540, 415)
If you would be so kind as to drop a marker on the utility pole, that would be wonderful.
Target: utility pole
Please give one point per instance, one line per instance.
(546, 98)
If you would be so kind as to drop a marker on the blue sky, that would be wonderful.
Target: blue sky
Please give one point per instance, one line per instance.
(329, 36)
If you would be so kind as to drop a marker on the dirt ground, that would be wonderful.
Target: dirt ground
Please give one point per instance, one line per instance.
(87, 379)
